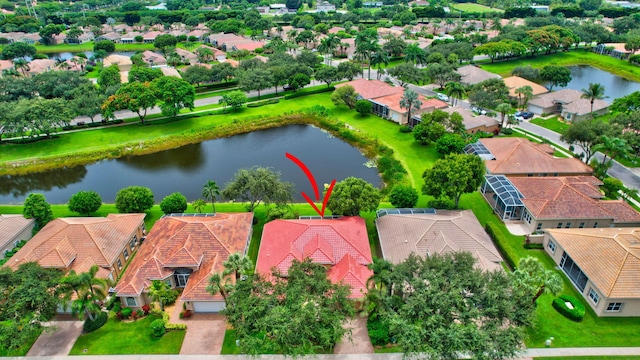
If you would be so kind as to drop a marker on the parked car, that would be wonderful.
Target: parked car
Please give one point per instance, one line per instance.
(527, 115)
(442, 97)
(479, 110)
(286, 87)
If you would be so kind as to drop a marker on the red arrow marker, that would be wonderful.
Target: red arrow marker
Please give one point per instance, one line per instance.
(314, 185)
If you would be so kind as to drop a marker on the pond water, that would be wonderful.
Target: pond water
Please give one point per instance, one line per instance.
(89, 54)
(614, 85)
(187, 168)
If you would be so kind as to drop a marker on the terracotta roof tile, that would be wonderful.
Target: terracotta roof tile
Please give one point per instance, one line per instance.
(372, 89)
(323, 240)
(514, 82)
(518, 156)
(609, 257)
(176, 242)
(443, 232)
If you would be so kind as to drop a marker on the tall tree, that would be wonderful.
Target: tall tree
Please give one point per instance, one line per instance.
(555, 76)
(85, 202)
(87, 101)
(344, 95)
(594, 92)
(455, 91)
(210, 190)
(256, 79)
(410, 101)
(453, 176)
(353, 195)
(526, 93)
(219, 285)
(173, 94)
(586, 134)
(258, 185)
(136, 96)
(503, 109)
(413, 53)
(158, 290)
(536, 279)
(36, 207)
(237, 265)
(612, 147)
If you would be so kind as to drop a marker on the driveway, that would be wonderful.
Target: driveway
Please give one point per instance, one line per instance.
(205, 332)
(360, 342)
(57, 338)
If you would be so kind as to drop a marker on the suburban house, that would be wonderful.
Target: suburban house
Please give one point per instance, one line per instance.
(515, 82)
(556, 202)
(186, 57)
(185, 250)
(325, 6)
(78, 243)
(615, 50)
(471, 75)
(197, 33)
(38, 66)
(515, 157)
(568, 103)
(170, 71)
(83, 38)
(425, 232)
(13, 229)
(151, 36)
(5, 65)
(473, 123)
(111, 36)
(386, 98)
(153, 59)
(130, 38)
(340, 244)
(123, 62)
(602, 264)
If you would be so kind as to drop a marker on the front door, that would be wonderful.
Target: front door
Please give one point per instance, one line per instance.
(182, 276)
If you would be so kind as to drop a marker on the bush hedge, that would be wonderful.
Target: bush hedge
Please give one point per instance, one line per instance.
(126, 312)
(96, 324)
(308, 92)
(500, 239)
(532, 246)
(157, 328)
(263, 103)
(575, 314)
(378, 332)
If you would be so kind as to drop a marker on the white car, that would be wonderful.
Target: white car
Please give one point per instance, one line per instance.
(479, 110)
(442, 97)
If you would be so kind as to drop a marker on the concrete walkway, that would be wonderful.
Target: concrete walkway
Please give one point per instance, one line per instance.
(359, 341)
(57, 338)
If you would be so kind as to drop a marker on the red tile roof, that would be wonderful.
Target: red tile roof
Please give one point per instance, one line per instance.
(69, 242)
(372, 89)
(342, 243)
(571, 198)
(518, 156)
(203, 243)
(393, 102)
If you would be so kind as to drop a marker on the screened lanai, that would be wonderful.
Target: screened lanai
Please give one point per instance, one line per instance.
(503, 197)
(478, 148)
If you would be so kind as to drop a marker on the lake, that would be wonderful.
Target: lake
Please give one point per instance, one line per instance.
(614, 85)
(186, 169)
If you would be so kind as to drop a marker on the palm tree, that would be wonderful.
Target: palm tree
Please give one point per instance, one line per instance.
(21, 65)
(414, 54)
(532, 274)
(85, 304)
(503, 109)
(454, 90)
(328, 45)
(410, 101)
(158, 290)
(381, 274)
(204, 53)
(211, 190)
(379, 58)
(88, 289)
(613, 147)
(525, 92)
(198, 205)
(237, 264)
(97, 287)
(216, 286)
(593, 92)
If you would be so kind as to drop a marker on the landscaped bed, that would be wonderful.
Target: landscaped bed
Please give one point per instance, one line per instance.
(118, 337)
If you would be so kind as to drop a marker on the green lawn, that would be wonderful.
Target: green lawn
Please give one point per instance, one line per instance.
(47, 49)
(553, 124)
(229, 345)
(476, 8)
(118, 338)
(575, 57)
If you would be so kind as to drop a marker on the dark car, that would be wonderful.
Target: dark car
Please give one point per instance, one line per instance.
(526, 115)
(286, 87)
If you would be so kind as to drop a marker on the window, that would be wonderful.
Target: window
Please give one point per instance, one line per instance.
(593, 295)
(567, 225)
(126, 254)
(581, 225)
(595, 224)
(559, 226)
(132, 243)
(578, 278)
(614, 306)
(527, 217)
(552, 246)
(130, 301)
(539, 227)
(119, 264)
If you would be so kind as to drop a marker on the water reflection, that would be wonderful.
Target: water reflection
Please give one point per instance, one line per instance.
(18, 186)
(189, 158)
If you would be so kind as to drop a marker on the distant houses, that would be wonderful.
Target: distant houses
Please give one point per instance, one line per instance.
(568, 103)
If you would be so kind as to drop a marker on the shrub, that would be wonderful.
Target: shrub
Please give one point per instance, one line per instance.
(309, 92)
(185, 314)
(126, 313)
(157, 328)
(403, 196)
(146, 308)
(117, 307)
(405, 129)
(575, 314)
(499, 238)
(531, 246)
(134, 199)
(364, 107)
(140, 313)
(96, 324)
(174, 203)
(378, 332)
(441, 203)
(170, 297)
(507, 131)
(168, 326)
(263, 102)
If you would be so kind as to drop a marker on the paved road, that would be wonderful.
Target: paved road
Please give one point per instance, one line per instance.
(629, 177)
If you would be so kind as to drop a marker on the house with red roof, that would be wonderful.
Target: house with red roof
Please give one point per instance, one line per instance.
(184, 251)
(340, 244)
(386, 98)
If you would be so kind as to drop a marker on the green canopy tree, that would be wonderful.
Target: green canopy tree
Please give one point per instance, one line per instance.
(555, 75)
(353, 195)
(85, 202)
(36, 207)
(344, 95)
(403, 196)
(453, 176)
(134, 199)
(586, 134)
(258, 185)
(173, 203)
(135, 96)
(173, 94)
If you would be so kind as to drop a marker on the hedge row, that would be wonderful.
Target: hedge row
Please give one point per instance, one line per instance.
(532, 246)
(216, 86)
(169, 326)
(575, 314)
(263, 103)
(96, 324)
(500, 239)
(308, 92)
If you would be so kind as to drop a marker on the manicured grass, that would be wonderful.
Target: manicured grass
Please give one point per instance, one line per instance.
(47, 49)
(553, 124)
(117, 338)
(575, 57)
(476, 8)
(229, 344)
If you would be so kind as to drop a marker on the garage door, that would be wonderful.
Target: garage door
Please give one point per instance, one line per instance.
(207, 306)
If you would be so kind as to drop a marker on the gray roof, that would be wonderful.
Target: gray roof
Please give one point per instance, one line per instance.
(11, 225)
(472, 75)
(440, 233)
